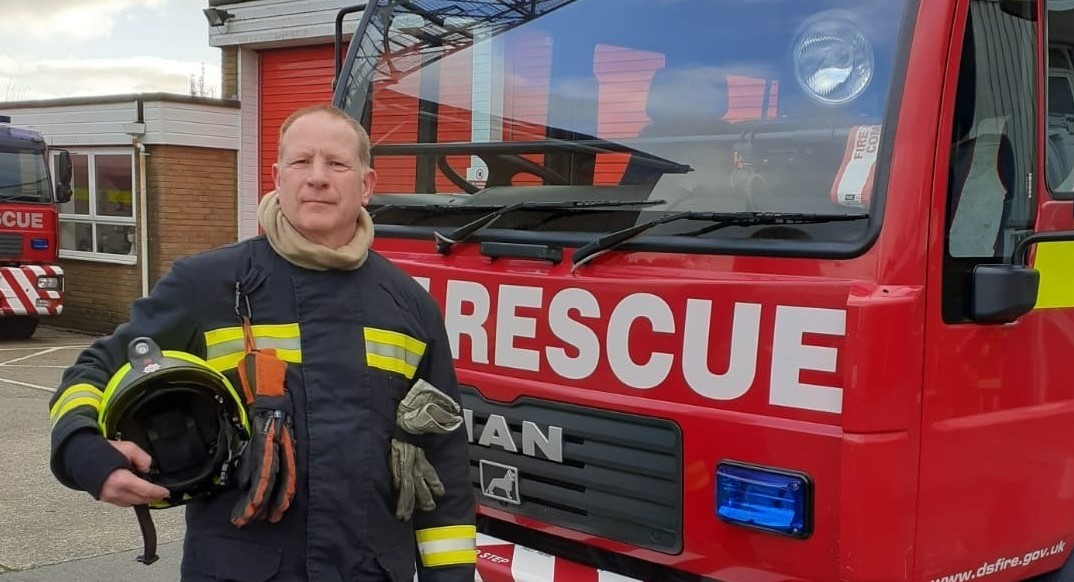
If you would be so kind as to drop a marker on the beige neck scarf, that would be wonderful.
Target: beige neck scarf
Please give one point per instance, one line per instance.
(301, 252)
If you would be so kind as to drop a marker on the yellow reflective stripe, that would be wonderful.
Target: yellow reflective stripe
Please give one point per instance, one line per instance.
(233, 346)
(293, 356)
(224, 347)
(94, 403)
(393, 351)
(394, 338)
(447, 546)
(390, 364)
(225, 363)
(75, 396)
(273, 330)
(89, 389)
(1055, 262)
(229, 361)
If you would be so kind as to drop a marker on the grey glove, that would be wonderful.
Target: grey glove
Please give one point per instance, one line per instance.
(424, 410)
(414, 479)
(427, 410)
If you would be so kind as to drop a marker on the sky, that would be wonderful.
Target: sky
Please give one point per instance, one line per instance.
(74, 48)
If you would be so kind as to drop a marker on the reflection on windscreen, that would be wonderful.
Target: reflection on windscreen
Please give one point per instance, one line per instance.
(765, 105)
(23, 177)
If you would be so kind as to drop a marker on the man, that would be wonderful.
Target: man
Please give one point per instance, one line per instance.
(357, 332)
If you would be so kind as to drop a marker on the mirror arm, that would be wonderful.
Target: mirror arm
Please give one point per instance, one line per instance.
(1020, 256)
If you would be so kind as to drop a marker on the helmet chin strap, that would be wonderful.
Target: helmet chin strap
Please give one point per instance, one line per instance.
(149, 535)
(142, 512)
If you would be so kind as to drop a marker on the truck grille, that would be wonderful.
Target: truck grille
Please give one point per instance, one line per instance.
(10, 245)
(620, 478)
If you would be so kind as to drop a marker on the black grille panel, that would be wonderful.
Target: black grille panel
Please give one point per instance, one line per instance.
(620, 478)
(10, 245)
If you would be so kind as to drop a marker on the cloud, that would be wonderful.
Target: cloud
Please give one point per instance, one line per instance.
(66, 19)
(46, 79)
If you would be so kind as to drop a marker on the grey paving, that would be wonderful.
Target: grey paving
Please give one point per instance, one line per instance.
(120, 566)
(49, 532)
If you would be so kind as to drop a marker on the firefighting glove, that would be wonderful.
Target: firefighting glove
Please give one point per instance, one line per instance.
(258, 469)
(424, 410)
(266, 475)
(427, 410)
(415, 480)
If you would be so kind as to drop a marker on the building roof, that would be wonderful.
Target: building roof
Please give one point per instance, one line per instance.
(120, 98)
(114, 120)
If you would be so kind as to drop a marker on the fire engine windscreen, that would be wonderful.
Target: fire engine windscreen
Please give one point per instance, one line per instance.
(757, 106)
(23, 176)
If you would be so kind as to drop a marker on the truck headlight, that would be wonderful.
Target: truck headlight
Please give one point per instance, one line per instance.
(833, 60)
(50, 283)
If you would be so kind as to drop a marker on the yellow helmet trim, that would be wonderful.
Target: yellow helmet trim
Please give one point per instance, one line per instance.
(114, 382)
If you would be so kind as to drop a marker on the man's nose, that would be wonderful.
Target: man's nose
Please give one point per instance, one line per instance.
(318, 174)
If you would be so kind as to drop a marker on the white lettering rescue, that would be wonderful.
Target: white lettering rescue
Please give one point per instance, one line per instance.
(642, 343)
(22, 219)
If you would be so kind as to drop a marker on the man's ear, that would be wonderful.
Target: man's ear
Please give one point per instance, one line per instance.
(369, 181)
(276, 175)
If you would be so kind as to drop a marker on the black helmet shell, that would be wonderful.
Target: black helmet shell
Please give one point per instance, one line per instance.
(181, 411)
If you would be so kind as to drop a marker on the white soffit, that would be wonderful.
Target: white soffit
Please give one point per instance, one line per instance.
(276, 23)
(110, 121)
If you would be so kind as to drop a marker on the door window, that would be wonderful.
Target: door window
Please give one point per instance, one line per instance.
(990, 201)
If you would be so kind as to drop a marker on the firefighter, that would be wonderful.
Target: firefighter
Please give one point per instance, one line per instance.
(381, 482)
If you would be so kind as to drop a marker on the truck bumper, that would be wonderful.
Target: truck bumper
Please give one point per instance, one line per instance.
(500, 561)
(21, 295)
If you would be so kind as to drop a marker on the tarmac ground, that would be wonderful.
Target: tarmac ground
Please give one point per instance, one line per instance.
(47, 531)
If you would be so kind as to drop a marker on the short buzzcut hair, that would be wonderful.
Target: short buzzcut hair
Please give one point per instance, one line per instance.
(363, 137)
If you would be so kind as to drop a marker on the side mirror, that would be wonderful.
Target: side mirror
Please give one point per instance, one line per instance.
(63, 176)
(1003, 293)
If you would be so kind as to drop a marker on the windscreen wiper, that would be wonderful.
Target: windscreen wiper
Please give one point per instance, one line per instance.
(445, 242)
(590, 251)
(21, 184)
(429, 208)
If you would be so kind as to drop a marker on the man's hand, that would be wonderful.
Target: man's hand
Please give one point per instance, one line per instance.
(123, 488)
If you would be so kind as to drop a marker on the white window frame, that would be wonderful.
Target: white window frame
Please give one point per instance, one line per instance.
(92, 218)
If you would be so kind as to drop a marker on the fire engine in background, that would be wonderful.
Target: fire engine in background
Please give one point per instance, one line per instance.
(31, 283)
(742, 291)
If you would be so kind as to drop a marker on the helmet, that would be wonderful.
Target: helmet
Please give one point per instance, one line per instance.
(185, 414)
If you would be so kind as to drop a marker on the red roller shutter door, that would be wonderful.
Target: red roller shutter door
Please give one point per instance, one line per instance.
(290, 78)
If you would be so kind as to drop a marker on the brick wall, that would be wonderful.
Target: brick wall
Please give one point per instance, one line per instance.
(192, 202)
(97, 296)
(192, 207)
(229, 72)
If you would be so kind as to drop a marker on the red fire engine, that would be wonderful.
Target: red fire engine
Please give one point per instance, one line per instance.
(757, 291)
(31, 283)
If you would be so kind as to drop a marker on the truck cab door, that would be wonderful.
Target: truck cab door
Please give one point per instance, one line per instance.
(997, 459)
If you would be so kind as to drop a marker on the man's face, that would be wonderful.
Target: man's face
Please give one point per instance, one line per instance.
(321, 184)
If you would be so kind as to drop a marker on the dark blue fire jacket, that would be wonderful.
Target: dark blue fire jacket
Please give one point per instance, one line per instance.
(354, 342)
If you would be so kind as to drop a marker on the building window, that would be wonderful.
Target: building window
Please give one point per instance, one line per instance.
(98, 223)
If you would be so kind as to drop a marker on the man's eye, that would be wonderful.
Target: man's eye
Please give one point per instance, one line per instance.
(300, 162)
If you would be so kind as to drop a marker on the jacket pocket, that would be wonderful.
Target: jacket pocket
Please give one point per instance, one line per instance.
(231, 560)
